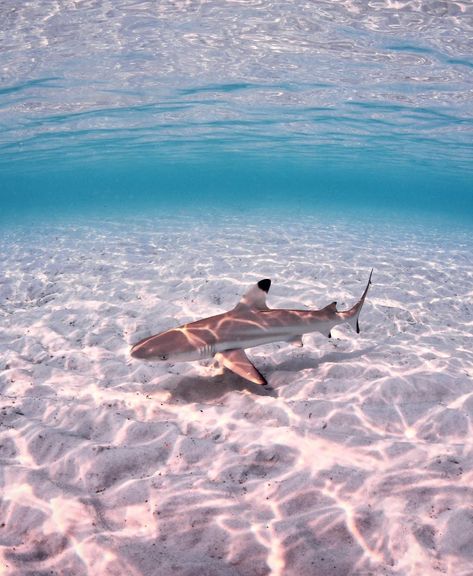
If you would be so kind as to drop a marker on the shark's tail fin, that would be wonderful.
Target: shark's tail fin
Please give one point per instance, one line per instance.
(351, 316)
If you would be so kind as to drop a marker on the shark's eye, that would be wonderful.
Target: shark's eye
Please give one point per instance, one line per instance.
(164, 357)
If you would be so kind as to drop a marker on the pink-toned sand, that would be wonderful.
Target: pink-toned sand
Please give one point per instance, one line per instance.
(360, 462)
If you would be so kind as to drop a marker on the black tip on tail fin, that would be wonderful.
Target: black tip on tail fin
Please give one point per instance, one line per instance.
(363, 296)
(351, 315)
(362, 299)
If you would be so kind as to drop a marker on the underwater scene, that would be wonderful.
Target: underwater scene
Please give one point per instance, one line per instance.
(236, 288)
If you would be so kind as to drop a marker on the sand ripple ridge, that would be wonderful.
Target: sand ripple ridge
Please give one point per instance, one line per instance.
(360, 462)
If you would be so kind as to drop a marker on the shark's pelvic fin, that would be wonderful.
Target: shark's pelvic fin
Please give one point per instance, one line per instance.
(296, 341)
(237, 361)
(255, 297)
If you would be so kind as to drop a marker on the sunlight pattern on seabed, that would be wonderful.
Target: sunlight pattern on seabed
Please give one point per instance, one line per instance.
(361, 461)
(362, 464)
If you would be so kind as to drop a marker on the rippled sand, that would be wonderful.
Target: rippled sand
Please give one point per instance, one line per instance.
(360, 462)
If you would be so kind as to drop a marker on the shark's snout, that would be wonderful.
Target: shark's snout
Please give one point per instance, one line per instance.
(138, 351)
(170, 345)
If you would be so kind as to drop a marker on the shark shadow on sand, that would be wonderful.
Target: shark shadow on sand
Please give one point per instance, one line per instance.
(296, 364)
(212, 389)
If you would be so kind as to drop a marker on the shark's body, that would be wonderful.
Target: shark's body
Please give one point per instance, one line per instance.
(251, 323)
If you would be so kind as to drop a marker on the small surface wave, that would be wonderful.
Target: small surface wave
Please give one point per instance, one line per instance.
(310, 80)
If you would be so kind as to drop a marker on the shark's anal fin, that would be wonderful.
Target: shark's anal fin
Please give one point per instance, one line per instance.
(295, 341)
(237, 361)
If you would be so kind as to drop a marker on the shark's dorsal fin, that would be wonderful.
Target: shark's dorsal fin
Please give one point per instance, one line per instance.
(255, 297)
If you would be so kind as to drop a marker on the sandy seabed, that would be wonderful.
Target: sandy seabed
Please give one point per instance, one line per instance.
(359, 462)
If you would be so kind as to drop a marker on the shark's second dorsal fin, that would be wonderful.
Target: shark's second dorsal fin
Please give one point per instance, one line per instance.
(255, 297)
(331, 307)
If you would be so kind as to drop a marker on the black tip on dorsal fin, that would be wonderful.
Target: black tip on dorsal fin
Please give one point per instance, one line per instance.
(264, 285)
(357, 327)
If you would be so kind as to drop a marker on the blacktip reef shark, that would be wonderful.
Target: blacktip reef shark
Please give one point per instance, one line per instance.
(251, 323)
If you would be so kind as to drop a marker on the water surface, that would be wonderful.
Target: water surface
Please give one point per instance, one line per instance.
(341, 103)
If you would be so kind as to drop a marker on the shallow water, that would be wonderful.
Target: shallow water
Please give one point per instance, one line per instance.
(134, 103)
(156, 159)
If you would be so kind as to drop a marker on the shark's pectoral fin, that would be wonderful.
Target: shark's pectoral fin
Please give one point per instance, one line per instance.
(296, 341)
(237, 361)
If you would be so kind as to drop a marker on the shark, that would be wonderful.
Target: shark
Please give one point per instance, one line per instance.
(226, 336)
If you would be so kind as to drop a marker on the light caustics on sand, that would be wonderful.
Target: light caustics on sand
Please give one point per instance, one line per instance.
(361, 461)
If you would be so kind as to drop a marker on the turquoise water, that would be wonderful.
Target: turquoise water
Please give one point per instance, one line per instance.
(132, 106)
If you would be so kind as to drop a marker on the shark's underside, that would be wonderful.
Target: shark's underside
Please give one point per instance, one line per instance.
(251, 323)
